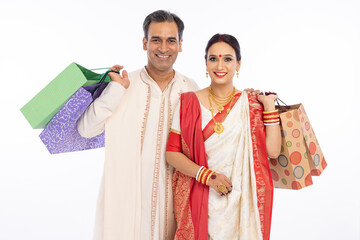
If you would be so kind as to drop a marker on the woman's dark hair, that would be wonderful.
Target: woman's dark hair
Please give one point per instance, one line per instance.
(227, 38)
(163, 16)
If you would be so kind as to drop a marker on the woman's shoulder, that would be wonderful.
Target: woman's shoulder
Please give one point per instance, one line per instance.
(198, 93)
(202, 91)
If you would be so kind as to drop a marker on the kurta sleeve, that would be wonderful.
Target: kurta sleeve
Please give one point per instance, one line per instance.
(174, 141)
(92, 121)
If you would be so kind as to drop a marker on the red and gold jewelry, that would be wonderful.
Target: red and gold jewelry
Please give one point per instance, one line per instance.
(271, 117)
(204, 175)
(208, 178)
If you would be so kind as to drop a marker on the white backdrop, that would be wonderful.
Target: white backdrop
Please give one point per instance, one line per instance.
(307, 51)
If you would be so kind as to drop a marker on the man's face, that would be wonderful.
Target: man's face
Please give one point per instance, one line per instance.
(162, 46)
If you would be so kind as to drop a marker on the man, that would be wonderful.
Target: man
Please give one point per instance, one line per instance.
(135, 111)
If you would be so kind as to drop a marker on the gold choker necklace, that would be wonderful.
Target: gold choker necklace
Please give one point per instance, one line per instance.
(221, 101)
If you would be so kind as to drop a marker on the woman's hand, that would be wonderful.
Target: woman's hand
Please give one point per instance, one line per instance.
(268, 100)
(251, 91)
(218, 179)
(120, 78)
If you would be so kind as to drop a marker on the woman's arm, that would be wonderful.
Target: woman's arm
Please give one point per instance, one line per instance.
(272, 132)
(186, 166)
(182, 163)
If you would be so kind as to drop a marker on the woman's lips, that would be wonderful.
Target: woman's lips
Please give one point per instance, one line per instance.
(220, 74)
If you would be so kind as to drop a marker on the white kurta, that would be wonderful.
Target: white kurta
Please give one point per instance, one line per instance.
(135, 200)
(235, 216)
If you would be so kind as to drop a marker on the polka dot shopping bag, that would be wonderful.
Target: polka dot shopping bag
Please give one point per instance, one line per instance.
(301, 156)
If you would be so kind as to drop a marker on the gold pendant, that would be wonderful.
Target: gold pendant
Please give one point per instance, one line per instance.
(219, 128)
(220, 108)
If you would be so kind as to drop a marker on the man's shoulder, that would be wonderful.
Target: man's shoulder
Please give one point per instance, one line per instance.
(191, 84)
(134, 74)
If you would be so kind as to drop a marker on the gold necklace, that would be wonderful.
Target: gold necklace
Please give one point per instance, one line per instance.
(218, 97)
(221, 101)
(219, 128)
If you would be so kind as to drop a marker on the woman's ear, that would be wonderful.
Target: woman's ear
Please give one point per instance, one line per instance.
(238, 65)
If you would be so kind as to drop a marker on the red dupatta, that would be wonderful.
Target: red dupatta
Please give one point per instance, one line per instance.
(190, 196)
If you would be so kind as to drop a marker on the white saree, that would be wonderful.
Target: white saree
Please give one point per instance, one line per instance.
(235, 216)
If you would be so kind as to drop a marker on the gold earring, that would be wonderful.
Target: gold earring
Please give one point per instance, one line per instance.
(237, 74)
(207, 74)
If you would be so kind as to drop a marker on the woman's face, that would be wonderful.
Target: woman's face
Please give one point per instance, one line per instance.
(221, 63)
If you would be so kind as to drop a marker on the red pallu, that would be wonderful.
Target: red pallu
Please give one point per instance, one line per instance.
(190, 196)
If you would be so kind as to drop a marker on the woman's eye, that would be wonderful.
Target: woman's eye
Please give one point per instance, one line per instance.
(212, 59)
(228, 59)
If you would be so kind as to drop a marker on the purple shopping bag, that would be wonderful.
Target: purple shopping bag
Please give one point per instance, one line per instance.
(61, 135)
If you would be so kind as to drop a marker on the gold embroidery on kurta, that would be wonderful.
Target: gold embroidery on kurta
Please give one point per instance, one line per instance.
(146, 114)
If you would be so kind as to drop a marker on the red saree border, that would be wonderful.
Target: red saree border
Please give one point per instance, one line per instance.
(264, 184)
(191, 213)
(219, 117)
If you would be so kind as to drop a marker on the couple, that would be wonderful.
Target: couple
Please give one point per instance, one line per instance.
(136, 111)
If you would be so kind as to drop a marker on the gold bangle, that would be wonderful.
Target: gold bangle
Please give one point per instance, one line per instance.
(273, 111)
(204, 175)
(271, 120)
(271, 116)
(200, 174)
(208, 178)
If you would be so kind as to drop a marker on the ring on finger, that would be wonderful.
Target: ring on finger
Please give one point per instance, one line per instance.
(221, 188)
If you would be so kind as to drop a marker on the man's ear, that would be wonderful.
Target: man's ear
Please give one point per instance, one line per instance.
(144, 43)
(180, 45)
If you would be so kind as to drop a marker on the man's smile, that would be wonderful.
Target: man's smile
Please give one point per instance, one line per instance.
(163, 57)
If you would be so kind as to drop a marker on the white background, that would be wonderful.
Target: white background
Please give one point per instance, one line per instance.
(307, 51)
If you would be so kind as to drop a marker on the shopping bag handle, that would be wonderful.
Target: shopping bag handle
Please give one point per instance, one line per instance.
(102, 79)
(104, 75)
(95, 69)
(277, 101)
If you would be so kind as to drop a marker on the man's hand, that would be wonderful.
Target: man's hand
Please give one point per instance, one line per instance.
(120, 78)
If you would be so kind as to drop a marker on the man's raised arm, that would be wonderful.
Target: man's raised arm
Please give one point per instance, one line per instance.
(92, 122)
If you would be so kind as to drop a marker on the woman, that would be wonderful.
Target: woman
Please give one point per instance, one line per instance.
(219, 145)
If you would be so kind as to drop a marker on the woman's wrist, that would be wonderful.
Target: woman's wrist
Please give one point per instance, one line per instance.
(203, 175)
(271, 117)
(269, 106)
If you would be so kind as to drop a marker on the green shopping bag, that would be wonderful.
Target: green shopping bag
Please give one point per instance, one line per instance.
(41, 108)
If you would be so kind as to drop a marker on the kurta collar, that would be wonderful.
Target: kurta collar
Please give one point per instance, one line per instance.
(150, 80)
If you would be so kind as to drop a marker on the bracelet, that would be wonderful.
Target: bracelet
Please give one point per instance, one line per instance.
(204, 175)
(198, 172)
(270, 112)
(207, 179)
(271, 117)
(201, 173)
(269, 124)
(271, 120)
